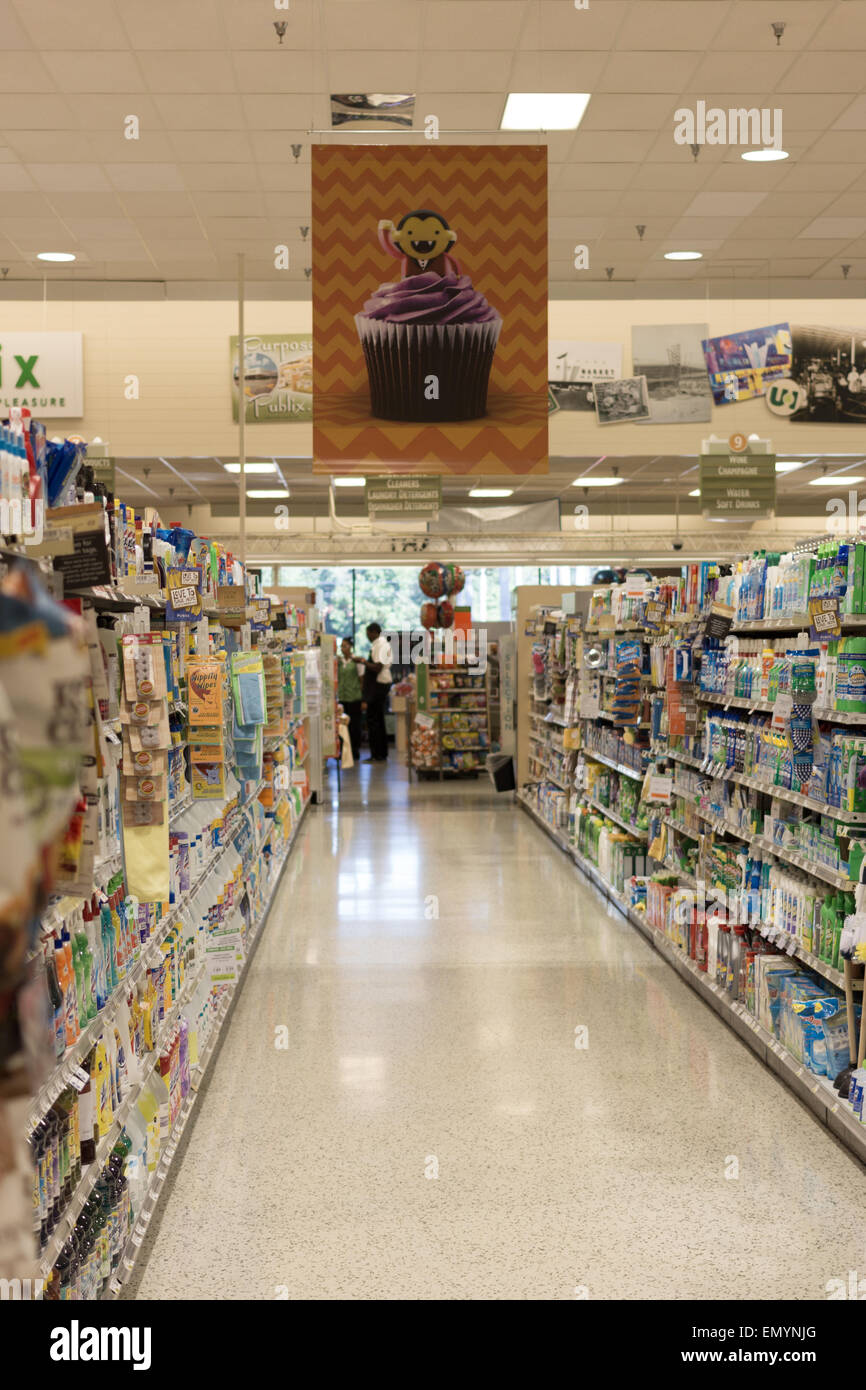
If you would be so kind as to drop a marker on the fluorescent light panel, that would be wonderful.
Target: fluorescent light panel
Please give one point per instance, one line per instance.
(837, 479)
(597, 480)
(544, 110)
(491, 492)
(766, 155)
(55, 256)
(267, 492)
(251, 467)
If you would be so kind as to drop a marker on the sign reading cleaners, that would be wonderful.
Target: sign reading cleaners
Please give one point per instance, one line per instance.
(738, 483)
(404, 496)
(42, 371)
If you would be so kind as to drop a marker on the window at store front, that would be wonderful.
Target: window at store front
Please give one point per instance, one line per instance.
(351, 597)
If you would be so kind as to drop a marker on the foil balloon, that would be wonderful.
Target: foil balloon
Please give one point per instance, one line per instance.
(428, 615)
(456, 579)
(433, 580)
(446, 613)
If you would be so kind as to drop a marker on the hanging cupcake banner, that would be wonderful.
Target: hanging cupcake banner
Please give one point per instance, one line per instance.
(430, 308)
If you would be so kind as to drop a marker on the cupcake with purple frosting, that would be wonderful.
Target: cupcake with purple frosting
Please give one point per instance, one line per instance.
(429, 324)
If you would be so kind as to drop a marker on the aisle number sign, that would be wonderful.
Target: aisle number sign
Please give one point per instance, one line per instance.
(738, 483)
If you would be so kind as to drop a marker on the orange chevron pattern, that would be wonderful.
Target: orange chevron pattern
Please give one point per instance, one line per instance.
(496, 199)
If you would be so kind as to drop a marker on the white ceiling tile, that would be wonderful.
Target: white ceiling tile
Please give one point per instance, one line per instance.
(185, 25)
(824, 72)
(289, 205)
(214, 178)
(597, 176)
(22, 72)
(557, 25)
(14, 178)
(191, 250)
(840, 145)
(95, 72)
(166, 228)
(851, 204)
(623, 146)
(157, 204)
(842, 26)
(484, 25)
(177, 72)
(461, 110)
(278, 113)
(609, 112)
(129, 250)
(57, 25)
(46, 113)
(853, 117)
(249, 228)
(576, 229)
(70, 178)
(282, 71)
(370, 24)
(551, 71)
(108, 112)
(636, 72)
(153, 147)
(668, 24)
(838, 228)
(86, 205)
(102, 228)
(724, 204)
(136, 178)
(751, 75)
(48, 146)
(811, 112)
(704, 228)
(246, 204)
(44, 229)
(193, 112)
(828, 177)
(194, 146)
(392, 71)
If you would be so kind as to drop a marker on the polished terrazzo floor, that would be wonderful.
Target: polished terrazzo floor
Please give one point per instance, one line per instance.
(432, 1131)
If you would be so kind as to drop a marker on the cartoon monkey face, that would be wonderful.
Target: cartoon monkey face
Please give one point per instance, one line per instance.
(423, 235)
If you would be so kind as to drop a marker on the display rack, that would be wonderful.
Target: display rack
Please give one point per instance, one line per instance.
(451, 733)
(702, 828)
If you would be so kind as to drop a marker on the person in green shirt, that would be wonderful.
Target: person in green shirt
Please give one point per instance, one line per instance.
(349, 693)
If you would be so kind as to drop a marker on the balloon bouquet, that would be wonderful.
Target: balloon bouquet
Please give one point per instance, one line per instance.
(440, 583)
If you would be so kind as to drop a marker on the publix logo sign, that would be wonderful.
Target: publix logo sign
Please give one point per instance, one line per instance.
(44, 372)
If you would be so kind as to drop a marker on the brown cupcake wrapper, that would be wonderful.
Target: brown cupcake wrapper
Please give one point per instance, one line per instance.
(401, 356)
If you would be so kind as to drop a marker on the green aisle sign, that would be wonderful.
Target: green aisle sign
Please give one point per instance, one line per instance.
(404, 496)
(738, 484)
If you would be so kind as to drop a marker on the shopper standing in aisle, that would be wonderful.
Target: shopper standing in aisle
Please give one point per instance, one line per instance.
(349, 693)
(377, 682)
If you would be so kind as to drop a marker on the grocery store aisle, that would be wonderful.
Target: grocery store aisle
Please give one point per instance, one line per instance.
(431, 1130)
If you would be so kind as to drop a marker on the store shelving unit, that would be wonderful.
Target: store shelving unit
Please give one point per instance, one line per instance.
(701, 815)
(456, 697)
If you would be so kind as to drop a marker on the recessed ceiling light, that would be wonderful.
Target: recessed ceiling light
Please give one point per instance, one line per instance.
(267, 492)
(766, 155)
(491, 491)
(251, 467)
(597, 480)
(837, 479)
(349, 482)
(695, 492)
(544, 110)
(54, 256)
(788, 465)
(684, 255)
